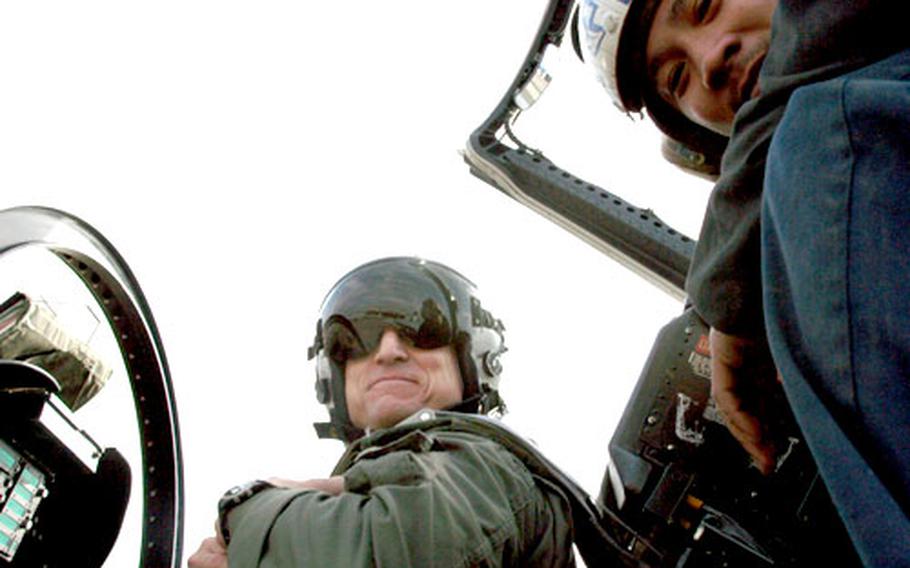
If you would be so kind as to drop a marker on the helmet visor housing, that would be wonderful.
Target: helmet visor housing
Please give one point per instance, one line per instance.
(369, 302)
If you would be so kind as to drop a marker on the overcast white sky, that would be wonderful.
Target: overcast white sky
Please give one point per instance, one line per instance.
(244, 155)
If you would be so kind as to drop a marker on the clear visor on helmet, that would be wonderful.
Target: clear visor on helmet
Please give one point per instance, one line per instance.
(365, 305)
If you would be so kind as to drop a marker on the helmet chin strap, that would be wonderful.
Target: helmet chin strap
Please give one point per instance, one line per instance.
(468, 405)
(349, 432)
(345, 432)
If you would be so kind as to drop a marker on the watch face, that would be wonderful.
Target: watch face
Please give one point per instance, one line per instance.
(236, 495)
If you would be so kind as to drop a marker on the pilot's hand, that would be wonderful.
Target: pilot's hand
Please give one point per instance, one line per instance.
(333, 485)
(211, 554)
(732, 360)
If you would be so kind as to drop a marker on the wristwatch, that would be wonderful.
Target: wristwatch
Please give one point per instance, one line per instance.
(234, 497)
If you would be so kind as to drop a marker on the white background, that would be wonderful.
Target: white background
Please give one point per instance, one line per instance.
(244, 155)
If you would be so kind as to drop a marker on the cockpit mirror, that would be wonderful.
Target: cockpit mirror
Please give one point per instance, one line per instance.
(90, 464)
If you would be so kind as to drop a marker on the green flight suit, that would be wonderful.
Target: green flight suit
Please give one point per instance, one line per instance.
(415, 495)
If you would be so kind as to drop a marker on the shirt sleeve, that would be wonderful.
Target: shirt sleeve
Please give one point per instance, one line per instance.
(462, 501)
(724, 281)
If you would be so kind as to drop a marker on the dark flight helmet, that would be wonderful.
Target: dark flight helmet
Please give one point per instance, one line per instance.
(425, 302)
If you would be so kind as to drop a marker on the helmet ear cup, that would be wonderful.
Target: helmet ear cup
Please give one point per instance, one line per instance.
(330, 392)
(323, 379)
(491, 363)
(330, 385)
(466, 365)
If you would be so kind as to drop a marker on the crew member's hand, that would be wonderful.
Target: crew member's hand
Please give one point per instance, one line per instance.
(333, 485)
(212, 553)
(732, 360)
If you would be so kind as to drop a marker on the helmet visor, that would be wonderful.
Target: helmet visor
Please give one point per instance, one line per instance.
(361, 308)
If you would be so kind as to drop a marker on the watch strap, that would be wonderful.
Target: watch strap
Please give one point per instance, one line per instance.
(234, 497)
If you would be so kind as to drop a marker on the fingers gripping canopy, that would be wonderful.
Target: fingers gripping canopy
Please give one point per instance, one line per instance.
(425, 302)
